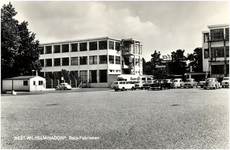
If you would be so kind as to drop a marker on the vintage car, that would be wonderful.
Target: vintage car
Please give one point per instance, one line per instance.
(212, 83)
(202, 83)
(190, 83)
(147, 84)
(160, 84)
(168, 83)
(177, 83)
(225, 82)
(63, 86)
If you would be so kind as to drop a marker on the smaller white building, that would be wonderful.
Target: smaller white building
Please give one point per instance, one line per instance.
(24, 83)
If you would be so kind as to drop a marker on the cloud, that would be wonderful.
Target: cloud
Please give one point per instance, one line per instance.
(163, 26)
(56, 21)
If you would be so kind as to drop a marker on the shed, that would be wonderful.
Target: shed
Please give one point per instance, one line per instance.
(24, 83)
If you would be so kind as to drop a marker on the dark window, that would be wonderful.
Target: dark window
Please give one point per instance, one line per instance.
(40, 82)
(48, 62)
(25, 83)
(65, 61)
(57, 61)
(103, 75)
(217, 34)
(111, 59)
(118, 60)
(217, 69)
(48, 49)
(103, 59)
(57, 49)
(92, 60)
(206, 37)
(42, 62)
(65, 48)
(206, 53)
(111, 44)
(83, 60)
(74, 61)
(83, 75)
(93, 76)
(92, 45)
(227, 67)
(117, 45)
(83, 46)
(227, 51)
(227, 34)
(217, 52)
(74, 47)
(34, 83)
(41, 49)
(102, 45)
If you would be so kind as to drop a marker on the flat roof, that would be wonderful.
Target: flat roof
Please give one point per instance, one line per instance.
(80, 40)
(21, 78)
(89, 39)
(218, 26)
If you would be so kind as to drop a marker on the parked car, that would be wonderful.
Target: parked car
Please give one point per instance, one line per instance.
(160, 84)
(157, 84)
(212, 83)
(177, 83)
(123, 85)
(190, 83)
(147, 84)
(168, 83)
(202, 83)
(225, 82)
(64, 86)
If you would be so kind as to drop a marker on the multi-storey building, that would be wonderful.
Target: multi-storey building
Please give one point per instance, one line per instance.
(96, 61)
(215, 50)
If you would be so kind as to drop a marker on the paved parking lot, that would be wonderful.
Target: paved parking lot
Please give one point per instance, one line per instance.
(169, 119)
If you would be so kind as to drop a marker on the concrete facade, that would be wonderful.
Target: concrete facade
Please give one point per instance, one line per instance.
(97, 61)
(215, 50)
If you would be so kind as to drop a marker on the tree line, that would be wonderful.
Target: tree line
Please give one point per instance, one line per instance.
(178, 65)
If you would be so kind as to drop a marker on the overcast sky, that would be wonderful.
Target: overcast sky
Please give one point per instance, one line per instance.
(164, 26)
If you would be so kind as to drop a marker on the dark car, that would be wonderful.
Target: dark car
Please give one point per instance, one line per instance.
(147, 84)
(160, 85)
(168, 83)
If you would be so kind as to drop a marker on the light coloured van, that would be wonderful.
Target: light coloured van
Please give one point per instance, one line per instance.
(123, 85)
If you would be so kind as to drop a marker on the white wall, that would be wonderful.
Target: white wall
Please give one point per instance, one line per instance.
(6, 85)
(37, 87)
(17, 85)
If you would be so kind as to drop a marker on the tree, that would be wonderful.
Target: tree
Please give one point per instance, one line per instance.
(19, 50)
(157, 61)
(178, 64)
(9, 39)
(196, 60)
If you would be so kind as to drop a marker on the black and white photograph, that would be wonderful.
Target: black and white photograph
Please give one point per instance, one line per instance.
(115, 74)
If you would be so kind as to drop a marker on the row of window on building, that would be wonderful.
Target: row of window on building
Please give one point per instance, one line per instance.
(216, 52)
(217, 35)
(219, 69)
(25, 83)
(95, 76)
(81, 60)
(75, 47)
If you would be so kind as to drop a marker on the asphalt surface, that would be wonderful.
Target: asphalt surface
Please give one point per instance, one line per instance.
(103, 118)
